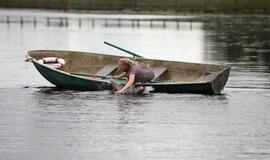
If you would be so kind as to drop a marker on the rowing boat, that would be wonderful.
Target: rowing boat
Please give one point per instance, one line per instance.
(92, 72)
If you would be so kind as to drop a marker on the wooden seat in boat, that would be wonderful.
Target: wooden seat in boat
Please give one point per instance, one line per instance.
(158, 72)
(106, 70)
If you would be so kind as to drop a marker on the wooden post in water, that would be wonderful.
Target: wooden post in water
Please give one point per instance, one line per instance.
(132, 23)
(80, 22)
(93, 23)
(106, 23)
(66, 22)
(138, 23)
(61, 22)
(119, 22)
(164, 23)
(35, 22)
(21, 21)
(48, 21)
(8, 21)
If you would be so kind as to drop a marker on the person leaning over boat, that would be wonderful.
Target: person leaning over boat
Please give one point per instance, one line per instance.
(135, 72)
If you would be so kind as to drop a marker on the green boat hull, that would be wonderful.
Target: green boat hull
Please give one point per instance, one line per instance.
(66, 80)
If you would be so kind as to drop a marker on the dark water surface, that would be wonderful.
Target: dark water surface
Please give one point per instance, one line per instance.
(38, 121)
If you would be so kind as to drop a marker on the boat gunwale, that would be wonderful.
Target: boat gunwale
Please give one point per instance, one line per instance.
(194, 82)
(118, 56)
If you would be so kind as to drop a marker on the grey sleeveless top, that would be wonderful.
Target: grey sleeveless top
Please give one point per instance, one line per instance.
(142, 72)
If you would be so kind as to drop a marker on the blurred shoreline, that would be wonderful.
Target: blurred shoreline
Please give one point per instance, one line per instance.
(145, 6)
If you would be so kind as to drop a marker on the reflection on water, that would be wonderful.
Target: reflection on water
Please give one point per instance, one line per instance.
(39, 121)
(53, 124)
(244, 43)
(239, 39)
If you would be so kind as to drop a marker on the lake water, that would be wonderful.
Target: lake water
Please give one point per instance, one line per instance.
(38, 121)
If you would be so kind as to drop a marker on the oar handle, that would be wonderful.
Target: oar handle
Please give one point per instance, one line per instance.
(124, 50)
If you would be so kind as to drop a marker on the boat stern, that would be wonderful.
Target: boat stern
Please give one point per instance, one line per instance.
(220, 81)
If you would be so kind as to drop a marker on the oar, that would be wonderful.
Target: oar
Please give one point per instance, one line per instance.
(94, 75)
(91, 75)
(129, 52)
(107, 77)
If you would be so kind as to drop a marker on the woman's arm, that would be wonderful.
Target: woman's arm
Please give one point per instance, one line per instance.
(131, 79)
(120, 75)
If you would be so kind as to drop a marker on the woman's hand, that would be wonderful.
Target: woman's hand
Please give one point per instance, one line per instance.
(131, 79)
(119, 91)
(120, 75)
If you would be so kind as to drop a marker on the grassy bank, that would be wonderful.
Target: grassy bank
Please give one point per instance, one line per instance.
(215, 6)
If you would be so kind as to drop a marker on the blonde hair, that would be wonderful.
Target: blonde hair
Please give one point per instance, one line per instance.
(126, 61)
